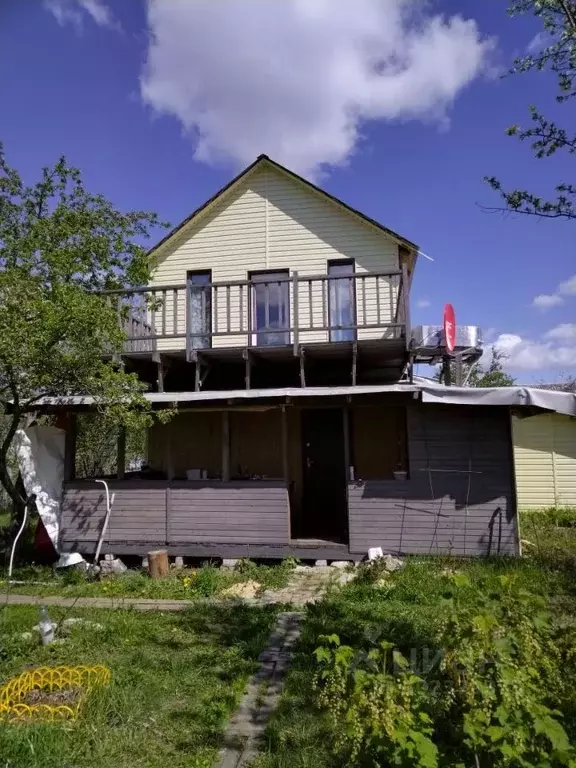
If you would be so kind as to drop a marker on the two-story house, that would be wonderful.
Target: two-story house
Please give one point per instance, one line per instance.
(277, 320)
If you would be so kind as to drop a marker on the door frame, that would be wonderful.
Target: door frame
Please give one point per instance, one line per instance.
(353, 331)
(346, 448)
(189, 347)
(253, 332)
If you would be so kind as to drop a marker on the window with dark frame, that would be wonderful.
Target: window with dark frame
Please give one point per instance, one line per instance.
(342, 300)
(200, 309)
(270, 307)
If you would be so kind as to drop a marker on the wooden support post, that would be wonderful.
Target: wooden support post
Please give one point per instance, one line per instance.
(197, 379)
(158, 565)
(354, 362)
(121, 454)
(286, 467)
(406, 305)
(70, 447)
(458, 370)
(347, 459)
(285, 463)
(447, 371)
(225, 446)
(167, 429)
(247, 367)
(302, 370)
(157, 358)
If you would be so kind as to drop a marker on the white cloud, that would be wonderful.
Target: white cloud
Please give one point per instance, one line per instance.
(533, 355)
(548, 300)
(296, 79)
(568, 287)
(75, 11)
(564, 332)
(423, 303)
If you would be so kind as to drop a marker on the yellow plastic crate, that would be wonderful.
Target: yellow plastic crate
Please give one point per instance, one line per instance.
(48, 679)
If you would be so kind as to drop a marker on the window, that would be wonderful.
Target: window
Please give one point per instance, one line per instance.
(270, 308)
(341, 300)
(379, 444)
(200, 309)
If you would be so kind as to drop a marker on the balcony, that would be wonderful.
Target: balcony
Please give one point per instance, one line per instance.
(270, 316)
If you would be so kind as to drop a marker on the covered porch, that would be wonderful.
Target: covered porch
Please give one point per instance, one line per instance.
(308, 474)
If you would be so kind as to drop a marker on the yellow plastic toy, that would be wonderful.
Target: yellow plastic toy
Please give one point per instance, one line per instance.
(13, 706)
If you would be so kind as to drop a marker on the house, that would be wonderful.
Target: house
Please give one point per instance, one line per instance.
(278, 321)
(545, 457)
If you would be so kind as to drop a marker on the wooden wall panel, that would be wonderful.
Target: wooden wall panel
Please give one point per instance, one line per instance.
(459, 498)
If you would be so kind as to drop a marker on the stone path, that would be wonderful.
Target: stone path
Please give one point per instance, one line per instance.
(246, 728)
(306, 585)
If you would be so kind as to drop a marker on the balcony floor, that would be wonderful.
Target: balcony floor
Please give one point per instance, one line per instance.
(368, 361)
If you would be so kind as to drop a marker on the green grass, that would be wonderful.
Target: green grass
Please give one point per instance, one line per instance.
(175, 680)
(404, 610)
(184, 584)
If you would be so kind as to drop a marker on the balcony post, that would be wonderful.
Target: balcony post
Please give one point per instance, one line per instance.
(295, 313)
(406, 305)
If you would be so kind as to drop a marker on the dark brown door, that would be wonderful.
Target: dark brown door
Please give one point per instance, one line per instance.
(325, 514)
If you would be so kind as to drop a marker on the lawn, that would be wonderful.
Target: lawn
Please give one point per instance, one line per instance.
(406, 611)
(175, 680)
(180, 584)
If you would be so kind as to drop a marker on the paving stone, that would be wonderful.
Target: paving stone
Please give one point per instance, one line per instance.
(247, 726)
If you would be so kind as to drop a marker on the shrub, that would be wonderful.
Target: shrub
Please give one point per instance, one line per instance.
(375, 705)
(489, 699)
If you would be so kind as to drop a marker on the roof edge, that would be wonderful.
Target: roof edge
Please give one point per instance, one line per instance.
(260, 160)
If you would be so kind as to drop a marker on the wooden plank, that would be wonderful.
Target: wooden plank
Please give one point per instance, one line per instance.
(295, 312)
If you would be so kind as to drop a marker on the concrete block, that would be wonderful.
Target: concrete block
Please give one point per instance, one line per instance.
(229, 563)
(339, 564)
(321, 564)
(179, 562)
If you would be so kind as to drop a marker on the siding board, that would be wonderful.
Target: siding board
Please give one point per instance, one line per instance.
(273, 222)
(247, 512)
(545, 460)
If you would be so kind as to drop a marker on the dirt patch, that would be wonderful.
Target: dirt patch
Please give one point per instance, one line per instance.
(60, 697)
(246, 589)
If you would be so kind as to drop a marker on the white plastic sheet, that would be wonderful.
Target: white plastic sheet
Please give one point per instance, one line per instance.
(40, 452)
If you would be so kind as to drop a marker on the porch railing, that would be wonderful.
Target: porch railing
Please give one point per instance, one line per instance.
(280, 311)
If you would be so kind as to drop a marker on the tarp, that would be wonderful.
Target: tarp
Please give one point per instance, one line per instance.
(40, 452)
(560, 402)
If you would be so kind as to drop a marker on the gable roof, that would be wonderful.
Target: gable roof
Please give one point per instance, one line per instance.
(265, 160)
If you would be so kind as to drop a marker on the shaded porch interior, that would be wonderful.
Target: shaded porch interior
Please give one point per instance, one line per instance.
(236, 465)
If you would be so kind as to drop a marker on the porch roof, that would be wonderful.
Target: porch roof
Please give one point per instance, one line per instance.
(426, 389)
(237, 395)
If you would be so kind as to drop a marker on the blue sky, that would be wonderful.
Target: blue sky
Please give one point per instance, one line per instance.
(160, 102)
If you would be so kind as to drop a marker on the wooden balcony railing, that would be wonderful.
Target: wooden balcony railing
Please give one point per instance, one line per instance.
(265, 311)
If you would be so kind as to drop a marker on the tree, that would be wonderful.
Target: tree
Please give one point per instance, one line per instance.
(59, 246)
(558, 56)
(491, 375)
(478, 375)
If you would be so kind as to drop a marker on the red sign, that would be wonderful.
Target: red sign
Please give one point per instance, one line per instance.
(449, 327)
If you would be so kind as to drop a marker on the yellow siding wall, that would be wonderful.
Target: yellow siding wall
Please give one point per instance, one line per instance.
(545, 460)
(273, 222)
